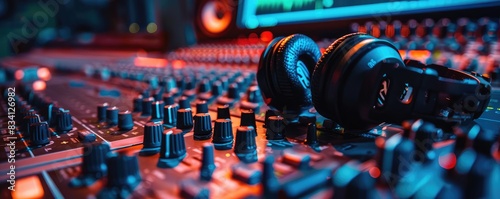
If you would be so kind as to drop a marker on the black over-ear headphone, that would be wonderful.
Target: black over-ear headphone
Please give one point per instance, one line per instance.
(284, 70)
(361, 81)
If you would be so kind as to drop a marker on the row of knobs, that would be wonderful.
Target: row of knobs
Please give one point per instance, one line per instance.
(121, 171)
(37, 114)
(170, 142)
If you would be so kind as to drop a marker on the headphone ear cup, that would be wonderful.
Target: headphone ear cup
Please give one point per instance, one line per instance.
(289, 68)
(322, 77)
(343, 80)
(263, 73)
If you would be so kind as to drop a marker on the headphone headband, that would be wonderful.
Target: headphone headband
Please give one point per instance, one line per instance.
(432, 92)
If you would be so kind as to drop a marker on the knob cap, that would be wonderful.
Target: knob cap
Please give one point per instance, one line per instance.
(157, 111)
(254, 95)
(184, 119)
(223, 134)
(170, 117)
(201, 107)
(217, 88)
(146, 106)
(169, 99)
(27, 121)
(426, 134)
(125, 121)
(64, 122)
(275, 130)
(39, 133)
(101, 112)
(152, 138)
(184, 102)
(207, 162)
(233, 92)
(245, 147)
(204, 86)
(93, 164)
(312, 137)
(248, 118)
(223, 112)
(137, 104)
(202, 126)
(112, 116)
(270, 183)
(123, 176)
(173, 148)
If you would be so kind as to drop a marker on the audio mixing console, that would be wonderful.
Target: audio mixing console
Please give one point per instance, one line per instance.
(193, 124)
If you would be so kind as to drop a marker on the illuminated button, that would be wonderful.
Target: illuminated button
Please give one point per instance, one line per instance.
(28, 187)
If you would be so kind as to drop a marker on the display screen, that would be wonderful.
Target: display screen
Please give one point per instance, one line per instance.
(267, 13)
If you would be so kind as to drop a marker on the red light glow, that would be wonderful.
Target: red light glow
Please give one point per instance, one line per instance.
(39, 85)
(266, 36)
(150, 62)
(448, 161)
(43, 74)
(374, 172)
(178, 64)
(19, 74)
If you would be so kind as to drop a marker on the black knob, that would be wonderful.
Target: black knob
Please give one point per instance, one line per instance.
(39, 133)
(152, 138)
(101, 112)
(168, 83)
(169, 99)
(158, 94)
(207, 162)
(204, 86)
(395, 154)
(217, 88)
(184, 102)
(147, 106)
(112, 116)
(55, 110)
(137, 104)
(270, 183)
(173, 148)
(27, 121)
(254, 95)
(223, 112)
(268, 114)
(484, 142)
(233, 92)
(123, 176)
(223, 134)
(425, 135)
(170, 117)
(157, 111)
(64, 122)
(184, 119)
(248, 118)
(202, 126)
(245, 147)
(312, 137)
(125, 121)
(201, 107)
(93, 164)
(275, 130)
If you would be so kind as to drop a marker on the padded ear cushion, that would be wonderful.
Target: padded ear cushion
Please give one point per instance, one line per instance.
(290, 66)
(263, 74)
(322, 75)
(343, 79)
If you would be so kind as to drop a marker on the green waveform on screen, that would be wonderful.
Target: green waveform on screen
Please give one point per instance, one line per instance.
(274, 6)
